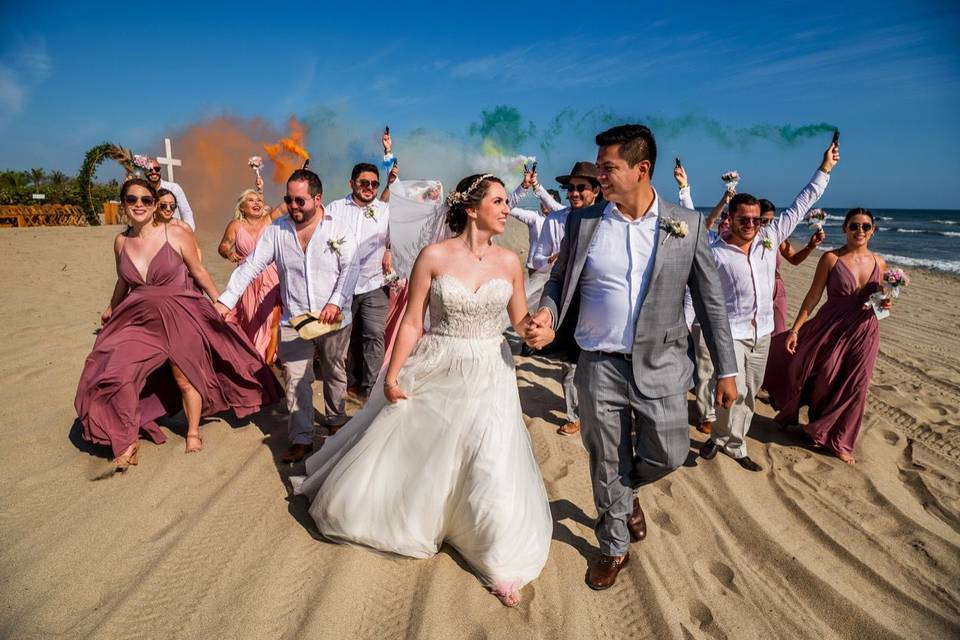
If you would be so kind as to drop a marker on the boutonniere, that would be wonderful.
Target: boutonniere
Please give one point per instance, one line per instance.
(335, 245)
(370, 212)
(767, 244)
(674, 228)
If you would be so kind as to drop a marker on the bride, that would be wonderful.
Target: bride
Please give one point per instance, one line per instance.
(440, 452)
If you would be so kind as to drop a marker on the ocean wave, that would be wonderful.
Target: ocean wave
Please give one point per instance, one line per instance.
(949, 234)
(950, 266)
(945, 221)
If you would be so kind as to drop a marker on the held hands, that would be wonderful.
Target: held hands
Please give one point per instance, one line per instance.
(539, 330)
(830, 157)
(726, 392)
(330, 313)
(817, 238)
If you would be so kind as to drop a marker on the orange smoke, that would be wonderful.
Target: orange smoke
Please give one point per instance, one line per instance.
(287, 154)
(215, 170)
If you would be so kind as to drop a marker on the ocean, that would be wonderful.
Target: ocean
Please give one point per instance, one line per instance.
(907, 237)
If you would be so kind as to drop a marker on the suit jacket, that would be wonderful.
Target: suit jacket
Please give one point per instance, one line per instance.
(661, 364)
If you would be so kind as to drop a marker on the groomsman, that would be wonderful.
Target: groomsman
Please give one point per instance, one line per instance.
(183, 212)
(582, 191)
(620, 276)
(746, 258)
(315, 257)
(534, 220)
(369, 217)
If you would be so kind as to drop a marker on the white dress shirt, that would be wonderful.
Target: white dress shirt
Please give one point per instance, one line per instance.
(550, 237)
(615, 279)
(748, 278)
(309, 279)
(183, 212)
(372, 231)
(533, 219)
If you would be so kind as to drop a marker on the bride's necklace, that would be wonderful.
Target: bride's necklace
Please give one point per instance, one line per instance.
(479, 257)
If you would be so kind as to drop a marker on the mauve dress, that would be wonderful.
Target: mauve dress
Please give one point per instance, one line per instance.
(125, 384)
(778, 339)
(831, 370)
(254, 310)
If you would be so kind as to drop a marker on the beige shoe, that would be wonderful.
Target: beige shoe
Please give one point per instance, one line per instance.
(569, 429)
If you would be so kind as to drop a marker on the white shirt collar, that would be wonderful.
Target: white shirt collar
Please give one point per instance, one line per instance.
(652, 212)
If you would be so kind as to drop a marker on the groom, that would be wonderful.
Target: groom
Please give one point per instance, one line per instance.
(617, 286)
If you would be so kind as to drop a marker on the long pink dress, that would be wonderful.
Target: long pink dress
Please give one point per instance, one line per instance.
(778, 339)
(254, 310)
(831, 370)
(125, 384)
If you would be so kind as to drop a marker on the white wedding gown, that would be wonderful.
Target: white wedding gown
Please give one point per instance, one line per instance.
(453, 462)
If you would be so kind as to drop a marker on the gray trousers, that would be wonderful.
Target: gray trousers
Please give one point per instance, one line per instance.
(730, 430)
(297, 356)
(569, 370)
(369, 327)
(706, 387)
(625, 432)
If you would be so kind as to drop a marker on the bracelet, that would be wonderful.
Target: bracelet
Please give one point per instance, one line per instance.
(684, 186)
(794, 332)
(388, 385)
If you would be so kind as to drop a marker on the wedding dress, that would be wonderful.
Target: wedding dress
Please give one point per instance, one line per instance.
(453, 462)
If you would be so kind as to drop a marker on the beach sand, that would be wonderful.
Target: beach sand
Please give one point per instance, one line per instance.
(212, 546)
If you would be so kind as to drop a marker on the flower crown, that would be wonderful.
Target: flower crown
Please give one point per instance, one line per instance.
(456, 197)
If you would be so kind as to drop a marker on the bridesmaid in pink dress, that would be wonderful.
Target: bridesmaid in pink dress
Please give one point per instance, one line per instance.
(258, 311)
(829, 360)
(156, 318)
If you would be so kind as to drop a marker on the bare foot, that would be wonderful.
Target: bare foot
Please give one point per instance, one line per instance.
(846, 457)
(507, 594)
(196, 447)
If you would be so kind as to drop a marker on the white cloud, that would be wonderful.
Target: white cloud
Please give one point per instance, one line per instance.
(22, 67)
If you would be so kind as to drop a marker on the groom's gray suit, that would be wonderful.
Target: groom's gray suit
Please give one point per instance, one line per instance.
(642, 394)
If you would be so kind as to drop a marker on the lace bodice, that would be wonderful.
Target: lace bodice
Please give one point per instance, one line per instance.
(457, 312)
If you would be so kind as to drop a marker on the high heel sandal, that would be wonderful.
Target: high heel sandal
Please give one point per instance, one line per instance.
(126, 460)
(198, 449)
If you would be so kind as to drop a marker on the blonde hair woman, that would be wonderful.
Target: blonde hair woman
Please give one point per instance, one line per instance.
(258, 312)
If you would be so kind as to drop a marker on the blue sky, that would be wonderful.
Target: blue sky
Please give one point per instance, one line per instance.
(886, 73)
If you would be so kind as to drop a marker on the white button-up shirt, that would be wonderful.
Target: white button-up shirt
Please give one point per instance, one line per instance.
(748, 278)
(371, 225)
(184, 212)
(550, 238)
(309, 279)
(533, 219)
(615, 279)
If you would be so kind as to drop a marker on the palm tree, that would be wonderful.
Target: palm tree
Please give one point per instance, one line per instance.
(37, 175)
(57, 178)
(13, 179)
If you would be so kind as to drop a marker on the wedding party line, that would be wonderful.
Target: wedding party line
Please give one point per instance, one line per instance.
(398, 297)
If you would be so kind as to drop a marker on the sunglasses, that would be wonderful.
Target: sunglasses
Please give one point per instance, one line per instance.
(300, 201)
(153, 170)
(131, 200)
(168, 206)
(367, 184)
(856, 226)
(579, 188)
(750, 221)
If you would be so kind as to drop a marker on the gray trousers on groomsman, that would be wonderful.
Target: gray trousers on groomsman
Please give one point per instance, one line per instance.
(297, 356)
(370, 323)
(647, 436)
(706, 383)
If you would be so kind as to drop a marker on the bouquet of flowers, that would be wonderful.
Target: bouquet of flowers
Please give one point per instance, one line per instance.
(141, 162)
(815, 218)
(893, 281)
(394, 282)
(255, 163)
(730, 178)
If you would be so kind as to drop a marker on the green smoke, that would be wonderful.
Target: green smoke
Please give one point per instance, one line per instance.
(504, 126)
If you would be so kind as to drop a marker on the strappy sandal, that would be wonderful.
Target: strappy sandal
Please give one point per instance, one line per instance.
(132, 458)
(198, 449)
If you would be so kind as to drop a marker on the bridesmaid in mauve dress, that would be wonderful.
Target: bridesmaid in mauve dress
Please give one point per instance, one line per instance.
(258, 311)
(828, 361)
(156, 318)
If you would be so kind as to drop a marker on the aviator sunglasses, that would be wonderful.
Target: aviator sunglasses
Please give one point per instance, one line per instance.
(131, 200)
(579, 188)
(300, 201)
(168, 206)
(367, 184)
(856, 226)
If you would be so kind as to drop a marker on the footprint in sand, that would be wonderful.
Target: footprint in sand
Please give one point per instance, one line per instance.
(665, 522)
(725, 574)
(891, 437)
(701, 616)
(811, 465)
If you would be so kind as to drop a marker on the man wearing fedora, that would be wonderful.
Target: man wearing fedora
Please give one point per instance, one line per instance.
(582, 191)
(617, 286)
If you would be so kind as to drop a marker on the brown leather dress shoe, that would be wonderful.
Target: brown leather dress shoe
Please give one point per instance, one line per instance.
(603, 573)
(296, 452)
(636, 523)
(705, 427)
(569, 429)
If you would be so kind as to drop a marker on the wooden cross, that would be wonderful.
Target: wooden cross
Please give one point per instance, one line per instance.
(169, 160)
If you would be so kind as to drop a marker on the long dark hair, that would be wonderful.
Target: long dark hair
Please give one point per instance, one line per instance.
(471, 199)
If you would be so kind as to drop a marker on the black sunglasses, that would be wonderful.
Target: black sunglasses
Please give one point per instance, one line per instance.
(148, 201)
(856, 226)
(579, 188)
(153, 170)
(168, 206)
(300, 201)
(366, 184)
(750, 221)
